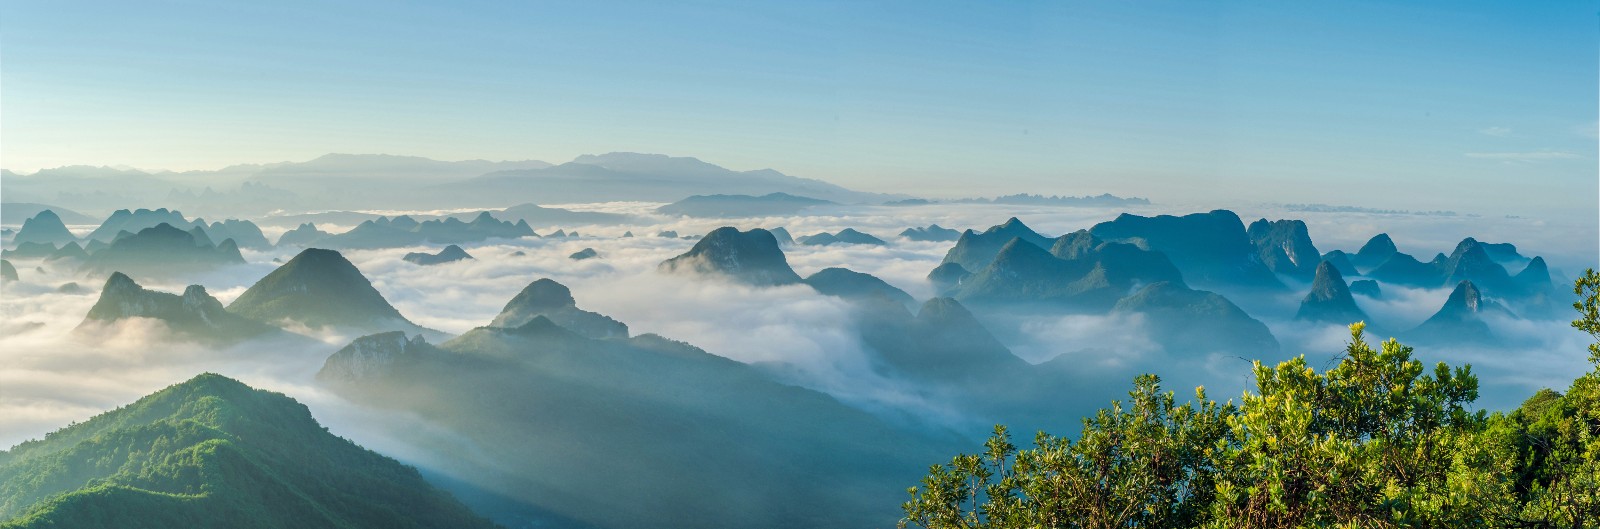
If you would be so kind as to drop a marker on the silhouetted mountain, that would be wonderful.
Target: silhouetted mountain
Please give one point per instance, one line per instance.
(1366, 287)
(947, 277)
(535, 214)
(933, 232)
(303, 236)
(1403, 269)
(320, 288)
(1285, 247)
(554, 301)
(1342, 262)
(844, 236)
(1535, 277)
(1375, 252)
(69, 253)
(1330, 300)
(1504, 253)
(641, 177)
(405, 231)
(192, 315)
(243, 232)
(214, 453)
(162, 251)
(8, 272)
(974, 250)
(1186, 321)
(449, 254)
(13, 213)
(784, 239)
(555, 417)
(30, 250)
(135, 221)
(769, 205)
(586, 253)
(1471, 262)
(1209, 248)
(1460, 320)
(850, 284)
(751, 257)
(45, 227)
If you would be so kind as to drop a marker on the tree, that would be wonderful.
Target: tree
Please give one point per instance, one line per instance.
(1144, 466)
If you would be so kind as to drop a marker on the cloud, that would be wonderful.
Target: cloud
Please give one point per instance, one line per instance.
(48, 379)
(1495, 131)
(1533, 156)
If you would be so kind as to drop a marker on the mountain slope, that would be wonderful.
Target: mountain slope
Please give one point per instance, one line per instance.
(974, 250)
(552, 300)
(46, 227)
(320, 288)
(1329, 300)
(750, 257)
(212, 452)
(194, 314)
(1211, 249)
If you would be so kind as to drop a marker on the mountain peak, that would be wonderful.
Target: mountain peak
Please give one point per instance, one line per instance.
(551, 301)
(318, 287)
(751, 257)
(194, 313)
(1330, 299)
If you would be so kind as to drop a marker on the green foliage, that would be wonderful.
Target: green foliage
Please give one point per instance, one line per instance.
(1378, 441)
(212, 452)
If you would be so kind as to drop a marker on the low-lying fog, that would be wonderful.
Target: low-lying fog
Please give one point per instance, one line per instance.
(49, 379)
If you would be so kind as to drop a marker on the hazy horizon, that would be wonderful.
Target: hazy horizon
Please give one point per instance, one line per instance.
(1487, 107)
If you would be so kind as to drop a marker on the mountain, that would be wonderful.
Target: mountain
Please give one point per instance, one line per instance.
(850, 284)
(932, 233)
(1470, 261)
(784, 239)
(638, 177)
(30, 250)
(1366, 287)
(750, 257)
(45, 227)
(162, 251)
(1329, 300)
(214, 453)
(1377, 250)
(13, 213)
(1080, 272)
(193, 315)
(8, 273)
(303, 236)
(1211, 249)
(945, 342)
(449, 254)
(243, 232)
(535, 214)
(1403, 269)
(384, 232)
(320, 288)
(947, 277)
(844, 236)
(635, 432)
(975, 250)
(1534, 277)
(1460, 320)
(549, 299)
(1342, 262)
(134, 221)
(1187, 321)
(724, 206)
(586, 253)
(1285, 247)
(70, 253)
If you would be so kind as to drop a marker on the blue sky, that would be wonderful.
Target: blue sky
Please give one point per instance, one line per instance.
(1473, 106)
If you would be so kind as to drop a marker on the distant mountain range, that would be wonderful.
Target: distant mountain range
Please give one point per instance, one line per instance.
(735, 206)
(373, 181)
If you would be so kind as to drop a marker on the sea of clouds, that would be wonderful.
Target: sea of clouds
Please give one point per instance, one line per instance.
(50, 377)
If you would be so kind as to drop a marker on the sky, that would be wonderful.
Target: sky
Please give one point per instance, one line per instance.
(1485, 107)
